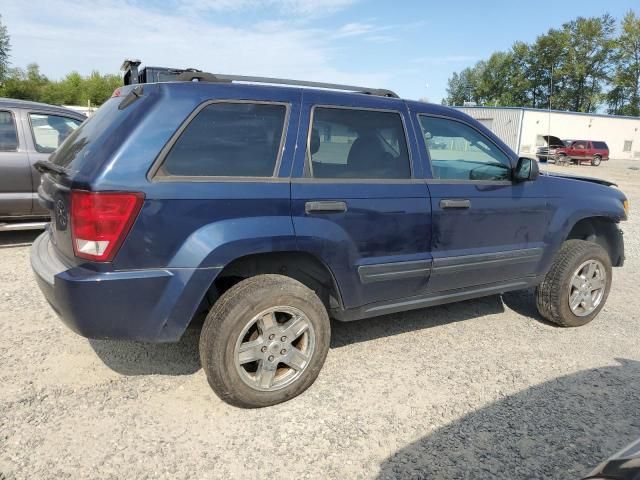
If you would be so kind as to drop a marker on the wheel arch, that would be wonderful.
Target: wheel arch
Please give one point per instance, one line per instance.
(603, 231)
(301, 266)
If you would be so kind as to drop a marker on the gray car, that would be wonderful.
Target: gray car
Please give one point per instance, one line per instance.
(29, 132)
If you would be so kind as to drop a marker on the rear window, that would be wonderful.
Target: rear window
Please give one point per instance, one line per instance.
(600, 145)
(229, 140)
(79, 143)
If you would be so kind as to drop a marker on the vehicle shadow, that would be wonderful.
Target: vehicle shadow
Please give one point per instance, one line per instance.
(182, 358)
(346, 333)
(559, 429)
(18, 238)
(140, 358)
(523, 302)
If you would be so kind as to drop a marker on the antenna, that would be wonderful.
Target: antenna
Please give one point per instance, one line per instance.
(549, 122)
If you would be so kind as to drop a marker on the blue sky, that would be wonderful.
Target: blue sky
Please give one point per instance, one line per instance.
(411, 47)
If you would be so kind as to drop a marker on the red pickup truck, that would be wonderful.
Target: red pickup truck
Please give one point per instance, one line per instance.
(577, 151)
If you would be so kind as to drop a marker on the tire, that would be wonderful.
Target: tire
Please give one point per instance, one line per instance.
(554, 294)
(238, 321)
(595, 161)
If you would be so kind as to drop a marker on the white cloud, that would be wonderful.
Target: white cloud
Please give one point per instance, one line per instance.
(355, 29)
(62, 36)
(286, 7)
(444, 60)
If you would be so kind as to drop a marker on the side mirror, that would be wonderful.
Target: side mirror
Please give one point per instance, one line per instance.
(526, 170)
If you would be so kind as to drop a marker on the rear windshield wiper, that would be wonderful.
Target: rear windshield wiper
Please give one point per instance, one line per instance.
(45, 166)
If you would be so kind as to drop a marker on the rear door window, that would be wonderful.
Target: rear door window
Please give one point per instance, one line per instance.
(363, 144)
(8, 133)
(229, 140)
(49, 131)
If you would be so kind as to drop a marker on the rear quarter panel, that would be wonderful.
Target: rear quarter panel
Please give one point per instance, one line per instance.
(200, 222)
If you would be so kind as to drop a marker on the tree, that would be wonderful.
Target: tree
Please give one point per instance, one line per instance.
(624, 97)
(458, 88)
(74, 89)
(547, 68)
(24, 85)
(567, 68)
(5, 49)
(98, 87)
(588, 63)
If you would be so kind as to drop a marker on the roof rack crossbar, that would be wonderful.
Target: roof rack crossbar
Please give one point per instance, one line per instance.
(190, 76)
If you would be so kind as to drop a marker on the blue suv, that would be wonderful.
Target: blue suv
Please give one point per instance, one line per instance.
(271, 208)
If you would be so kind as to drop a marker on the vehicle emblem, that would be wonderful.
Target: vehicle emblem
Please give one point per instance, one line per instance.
(61, 215)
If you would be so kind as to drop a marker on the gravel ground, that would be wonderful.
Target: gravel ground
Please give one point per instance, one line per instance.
(479, 389)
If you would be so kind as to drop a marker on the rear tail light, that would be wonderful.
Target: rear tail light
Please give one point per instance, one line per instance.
(100, 221)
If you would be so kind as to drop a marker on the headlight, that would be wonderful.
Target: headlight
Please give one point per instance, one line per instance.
(625, 204)
(552, 151)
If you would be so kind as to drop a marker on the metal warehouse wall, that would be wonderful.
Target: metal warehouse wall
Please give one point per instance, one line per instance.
(522, 128)
(504, 122)
(622, 134)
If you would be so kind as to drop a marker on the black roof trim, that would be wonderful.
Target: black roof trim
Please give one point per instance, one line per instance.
(190, 76)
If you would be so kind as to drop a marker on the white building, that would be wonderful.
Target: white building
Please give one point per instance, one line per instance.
(88, 110)
(523, 129)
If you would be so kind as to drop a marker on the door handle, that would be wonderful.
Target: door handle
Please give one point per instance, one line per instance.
(325, 207)
(458, 203)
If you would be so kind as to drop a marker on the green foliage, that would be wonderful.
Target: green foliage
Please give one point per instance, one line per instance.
(74, 89)
(624, 97)
(5, 48)
(580, 66)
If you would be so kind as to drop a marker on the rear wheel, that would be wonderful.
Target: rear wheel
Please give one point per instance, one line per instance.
(596, 160)
(264, 341)
(576, 288)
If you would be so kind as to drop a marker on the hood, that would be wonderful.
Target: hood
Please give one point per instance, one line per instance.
(599, 181)
(553, 141)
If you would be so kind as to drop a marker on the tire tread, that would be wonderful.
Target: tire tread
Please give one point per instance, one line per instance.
(212, 341)
(549, 296)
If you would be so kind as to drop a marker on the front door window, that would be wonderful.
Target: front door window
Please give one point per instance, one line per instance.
(459, 152)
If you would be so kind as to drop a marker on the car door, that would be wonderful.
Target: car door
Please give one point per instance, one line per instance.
(578, 150)
(486, 229)
(359, 203)
(15, 176)
(45, 132)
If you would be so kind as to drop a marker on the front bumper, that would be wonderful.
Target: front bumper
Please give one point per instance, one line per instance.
(154, 305)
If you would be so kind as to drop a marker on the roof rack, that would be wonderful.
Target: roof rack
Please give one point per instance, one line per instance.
(194, 75)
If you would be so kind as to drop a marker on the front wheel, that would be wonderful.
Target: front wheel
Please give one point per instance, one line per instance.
(596, 161)
(577, 286)
(264, 341)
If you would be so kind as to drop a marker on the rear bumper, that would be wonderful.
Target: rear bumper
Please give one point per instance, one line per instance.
(154, 305)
